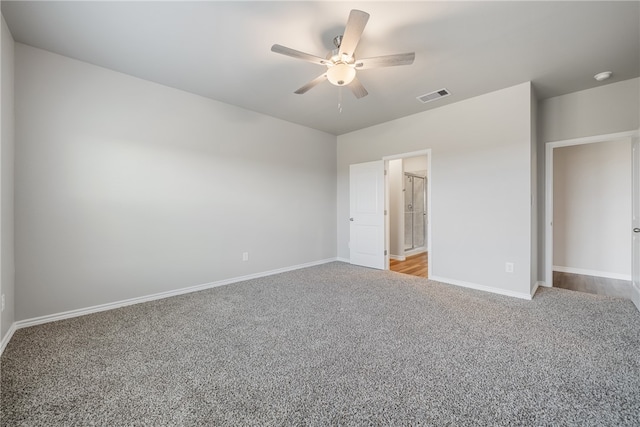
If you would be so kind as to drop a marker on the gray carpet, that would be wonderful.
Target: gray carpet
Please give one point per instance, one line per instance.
(332, 345)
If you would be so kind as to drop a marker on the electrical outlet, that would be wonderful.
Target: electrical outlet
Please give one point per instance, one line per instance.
(508, 267)
(245, 256)
(2, 302)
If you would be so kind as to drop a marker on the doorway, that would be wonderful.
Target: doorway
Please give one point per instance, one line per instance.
(377, 207)
(588, 206)
(408, 205)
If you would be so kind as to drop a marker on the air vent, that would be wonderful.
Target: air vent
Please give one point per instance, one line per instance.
(432, 96)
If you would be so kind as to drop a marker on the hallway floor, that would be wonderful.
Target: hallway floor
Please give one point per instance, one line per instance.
(593, 284)
(415, 265)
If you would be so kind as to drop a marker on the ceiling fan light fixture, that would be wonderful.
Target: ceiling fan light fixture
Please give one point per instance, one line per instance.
(341, 74)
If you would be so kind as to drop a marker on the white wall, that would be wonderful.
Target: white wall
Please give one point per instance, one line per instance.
(606, 109)
(592, 208)
(6, 179)
(416, 165)
(126, 188)
(480, 185)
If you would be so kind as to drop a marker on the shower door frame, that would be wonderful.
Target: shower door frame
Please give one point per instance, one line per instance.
(424, 211)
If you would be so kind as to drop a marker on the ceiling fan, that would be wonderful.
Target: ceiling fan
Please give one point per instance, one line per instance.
(341, 62)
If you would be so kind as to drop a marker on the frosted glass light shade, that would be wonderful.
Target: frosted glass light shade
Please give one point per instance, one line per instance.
(341, 74)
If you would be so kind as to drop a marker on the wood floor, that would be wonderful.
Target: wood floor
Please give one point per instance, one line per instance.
(415, 265)
(593, 285)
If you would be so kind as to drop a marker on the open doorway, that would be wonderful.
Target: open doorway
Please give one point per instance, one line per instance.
(589, 196)
(408, 207)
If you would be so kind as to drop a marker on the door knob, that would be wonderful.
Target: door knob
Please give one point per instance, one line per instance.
(351, 219)
(636, 230)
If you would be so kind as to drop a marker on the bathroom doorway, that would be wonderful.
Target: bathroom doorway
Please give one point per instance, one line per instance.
(408, 204)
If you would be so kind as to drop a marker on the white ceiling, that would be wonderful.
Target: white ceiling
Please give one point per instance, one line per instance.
(221, 50)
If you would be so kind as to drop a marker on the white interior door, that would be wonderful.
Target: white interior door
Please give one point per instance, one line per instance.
(635, 225)
(366, 219)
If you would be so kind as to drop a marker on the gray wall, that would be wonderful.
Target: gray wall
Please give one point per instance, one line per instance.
(606, 109)
(6, 179)
(126, 188)
(480, 184)
(603, 110)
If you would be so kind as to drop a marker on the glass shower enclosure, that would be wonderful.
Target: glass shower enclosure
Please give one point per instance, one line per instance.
(415, 211)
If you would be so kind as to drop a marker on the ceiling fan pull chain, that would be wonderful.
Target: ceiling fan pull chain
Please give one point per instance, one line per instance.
(340, 100)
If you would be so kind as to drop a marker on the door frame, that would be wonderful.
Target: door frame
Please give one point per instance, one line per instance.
(548, 217)
(635, 220)
(387, 225)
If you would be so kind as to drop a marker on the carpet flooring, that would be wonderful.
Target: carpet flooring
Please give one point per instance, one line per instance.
(332, 345)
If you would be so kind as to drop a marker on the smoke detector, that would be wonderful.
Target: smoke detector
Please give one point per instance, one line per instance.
(603, 76)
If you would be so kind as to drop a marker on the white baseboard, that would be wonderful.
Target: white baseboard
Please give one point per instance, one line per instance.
(535, 288)
(595, 273)
(347, 260)
(635, 296)
(110, 306)
(7, 337)
(398, 257)
(521, 295)
(415, 251)
(546, 285)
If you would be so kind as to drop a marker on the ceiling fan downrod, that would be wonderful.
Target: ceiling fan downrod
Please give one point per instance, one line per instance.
(337, 41)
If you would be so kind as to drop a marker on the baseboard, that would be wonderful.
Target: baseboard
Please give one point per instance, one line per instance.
(546, 285)
(7, 337)
(595, 273)
(484, 288)
(415, 251)
(635, 296)
(398, 257)
(138, 300)
(535, 288)
(347, 260)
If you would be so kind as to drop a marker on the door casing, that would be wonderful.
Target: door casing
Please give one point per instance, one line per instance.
(548, 247)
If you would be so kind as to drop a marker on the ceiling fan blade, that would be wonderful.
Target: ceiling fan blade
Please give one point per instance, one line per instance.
(297, 54)
(312, 84)
(386, 61)
(358, 90)
(352, 32)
